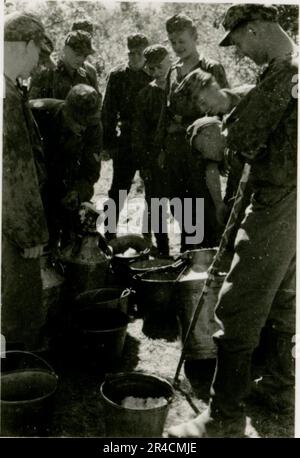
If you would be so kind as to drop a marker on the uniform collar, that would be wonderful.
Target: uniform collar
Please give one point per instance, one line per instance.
(61, 67)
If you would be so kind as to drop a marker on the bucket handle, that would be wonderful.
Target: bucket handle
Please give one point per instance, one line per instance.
(30, 354)
(126, 292)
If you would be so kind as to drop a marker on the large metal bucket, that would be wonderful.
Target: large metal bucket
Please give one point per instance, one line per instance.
(126, 422)
(27, 392)
(99, 335)
(201, 344)
(109, 298)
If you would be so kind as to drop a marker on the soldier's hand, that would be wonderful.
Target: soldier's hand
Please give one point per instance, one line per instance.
(71, 201)
(33, 252)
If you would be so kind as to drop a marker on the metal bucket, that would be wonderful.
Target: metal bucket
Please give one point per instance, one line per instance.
(109, 298)
(100, 334)
(120, 266)
(27, 392)
(151, 265)
(125, 422)
(201, 344)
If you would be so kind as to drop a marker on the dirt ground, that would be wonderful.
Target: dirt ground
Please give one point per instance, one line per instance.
(77, 409)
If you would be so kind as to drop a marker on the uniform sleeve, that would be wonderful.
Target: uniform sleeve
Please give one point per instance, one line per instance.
(23, 218)
(140, 142)
(259, 114)
(40, 85)
(90, 163)
(110, 113)
(92, 74)
(217, 70)
(163, 118)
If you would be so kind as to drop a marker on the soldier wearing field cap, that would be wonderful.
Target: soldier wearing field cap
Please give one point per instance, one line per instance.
(123, 85)
(71, 69)
(72, 143)
(24, 226)
(186, 180)
(260, 285)
(148, 108)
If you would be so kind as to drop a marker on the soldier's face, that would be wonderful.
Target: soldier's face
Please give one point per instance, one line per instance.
(247, 40)
(159, 71)
(136, 58)
(31, 58)
(183, 43)
(73, 58)
(210, 100)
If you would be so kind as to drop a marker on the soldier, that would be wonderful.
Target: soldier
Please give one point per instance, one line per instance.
(71, 156)
(149, 105)
(85, 25)
(123, 86)
(208, 97)
(70, 70)
(260, 284)
(186, 180)
(24, 228)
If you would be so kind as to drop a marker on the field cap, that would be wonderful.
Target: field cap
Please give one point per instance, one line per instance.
(137, 40)
(178, 23)
(85, 25)
(238, 14)
(155, 54)
(80, 41)
(83, 104)
(26, 27)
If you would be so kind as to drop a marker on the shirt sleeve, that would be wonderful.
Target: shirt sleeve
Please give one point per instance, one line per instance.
(258, 115)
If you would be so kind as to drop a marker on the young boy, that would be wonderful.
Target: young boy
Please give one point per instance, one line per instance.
(149, 104)
(123, 85)
(186, 179)
(206, 95)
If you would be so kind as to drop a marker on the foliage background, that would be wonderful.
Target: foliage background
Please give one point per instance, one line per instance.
(114, 20)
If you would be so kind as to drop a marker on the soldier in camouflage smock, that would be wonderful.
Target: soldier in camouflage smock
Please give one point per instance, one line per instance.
(260, 285)
(24, 227)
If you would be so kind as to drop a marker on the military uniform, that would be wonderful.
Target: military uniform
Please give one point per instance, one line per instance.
(119, 104)
(186, 178)
(261, 281)
(23, 226)
(72, 164)
(149, 105)
(56, 82)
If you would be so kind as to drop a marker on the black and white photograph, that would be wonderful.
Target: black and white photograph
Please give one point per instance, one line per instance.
(148, 221)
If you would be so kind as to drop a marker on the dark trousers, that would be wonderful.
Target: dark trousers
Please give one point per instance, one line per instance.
(124, 169)
(156, 186)
(23, 314)
(187, 180)
(260, 286)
